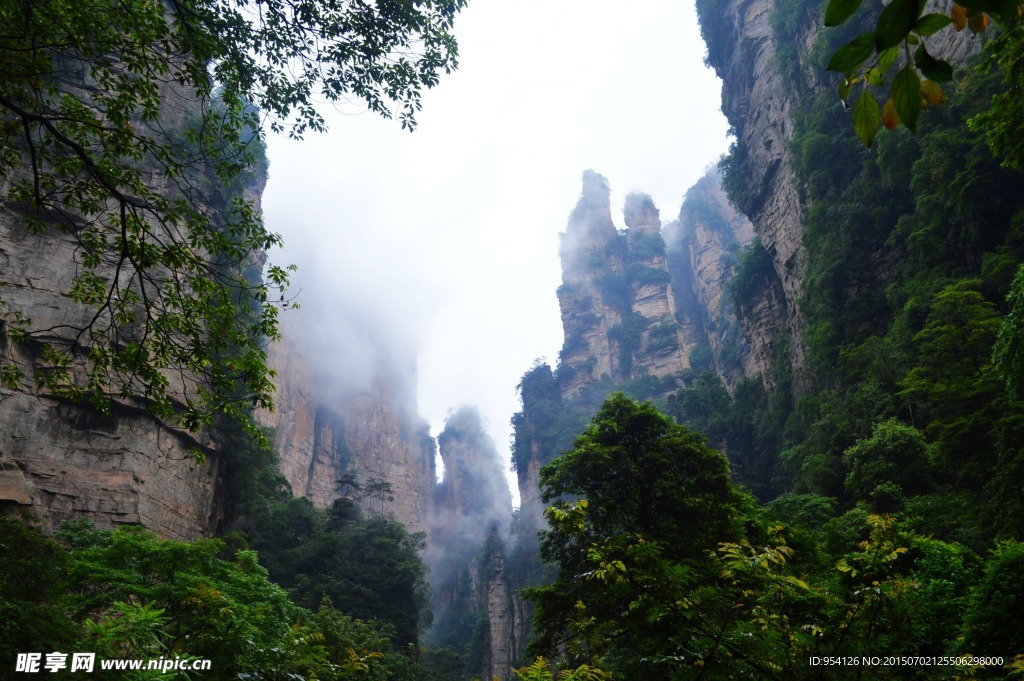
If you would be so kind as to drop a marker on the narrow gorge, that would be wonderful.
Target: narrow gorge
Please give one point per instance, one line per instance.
(827, 333)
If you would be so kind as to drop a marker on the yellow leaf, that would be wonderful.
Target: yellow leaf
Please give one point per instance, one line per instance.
(959, 16)
(931, 93)
(977, 21)
(796, 582)
(890, 118)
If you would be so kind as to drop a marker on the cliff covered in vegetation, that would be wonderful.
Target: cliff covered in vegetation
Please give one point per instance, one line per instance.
(874, 413)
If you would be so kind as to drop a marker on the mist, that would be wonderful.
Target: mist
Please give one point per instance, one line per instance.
(445, 240)
(473, 498)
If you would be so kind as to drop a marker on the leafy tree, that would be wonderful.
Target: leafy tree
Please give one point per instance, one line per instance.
(993, 625)
(1009, 349)
(1003, 120)
(955, 385)
(896, 456)
(31, 580)
(369, 568)
(128, 594)
(179, 598)
(653, 502)
(643, 473)
(128, 129)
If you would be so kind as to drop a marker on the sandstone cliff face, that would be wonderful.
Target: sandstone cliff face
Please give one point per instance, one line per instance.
(664, 349)
(322, 436)
(636, 308)
(507, 624)
(703, 246)
(759, 102)
(65, 461)
(636, 305)
(471, 518)
(474, 494)
(763, 324)
(618, 308)
(588, 253)
(472, 503)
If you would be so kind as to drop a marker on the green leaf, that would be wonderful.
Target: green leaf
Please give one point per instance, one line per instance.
(895, 23)
(839, 11)
(796, 582)
(934, 69)
(844, 89)
(887, 58)
(906, 96)
(849, 57)
(931, 23)
(866, 118)
(875, 77)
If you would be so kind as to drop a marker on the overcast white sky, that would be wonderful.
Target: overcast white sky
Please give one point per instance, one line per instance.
(446, 240)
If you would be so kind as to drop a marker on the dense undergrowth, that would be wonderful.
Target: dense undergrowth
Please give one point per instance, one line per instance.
(289, 591)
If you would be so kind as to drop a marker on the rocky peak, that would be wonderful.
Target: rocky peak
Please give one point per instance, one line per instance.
(618, 308)
(474, 494)
(472, 517)
(507, 629)
(641, 215)
(590, 229)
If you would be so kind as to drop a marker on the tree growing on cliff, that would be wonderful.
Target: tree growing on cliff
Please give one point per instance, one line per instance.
(653, 502)
(131, 130)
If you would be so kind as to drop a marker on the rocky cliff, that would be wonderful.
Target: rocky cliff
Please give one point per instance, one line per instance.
(475, 609)
(703, 247)
(770, 55)
(618, 308)
(758, 98)
(507, 620)
(64, 459)
(643, 310)
(589, 250)
(323, 433)
(473, 499)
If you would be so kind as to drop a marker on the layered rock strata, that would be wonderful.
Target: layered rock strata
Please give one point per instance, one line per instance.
(507, 624)
(759, 98)
(64, 460)
(323, 435)
(618, 308)
(759, 101)
(703, 247)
